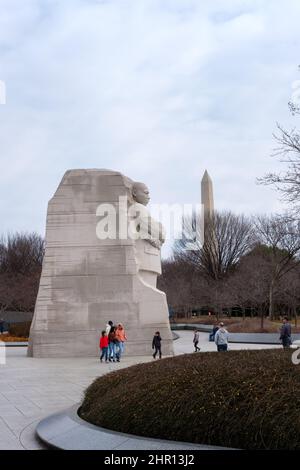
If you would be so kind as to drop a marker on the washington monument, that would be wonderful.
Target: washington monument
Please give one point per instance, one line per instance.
(207, 195)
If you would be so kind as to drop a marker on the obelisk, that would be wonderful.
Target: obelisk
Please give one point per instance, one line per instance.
(207, 195)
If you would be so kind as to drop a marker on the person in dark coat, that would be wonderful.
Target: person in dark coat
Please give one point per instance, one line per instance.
(112, 345)
(213, 333)
(1, 326)
(156, 344)
(285, 333)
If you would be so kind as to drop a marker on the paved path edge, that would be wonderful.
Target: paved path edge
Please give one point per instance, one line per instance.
(67, 431)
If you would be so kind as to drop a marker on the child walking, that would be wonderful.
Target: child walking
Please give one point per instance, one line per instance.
(156, 344)
(196, 340)
(104, 346)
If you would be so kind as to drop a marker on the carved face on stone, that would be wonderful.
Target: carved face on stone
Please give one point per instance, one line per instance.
(140, 193)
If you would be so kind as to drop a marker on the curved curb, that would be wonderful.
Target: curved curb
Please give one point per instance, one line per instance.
(67, 431)
(175, 336)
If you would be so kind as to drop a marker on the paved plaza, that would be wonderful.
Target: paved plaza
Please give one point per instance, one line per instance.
(32, 388)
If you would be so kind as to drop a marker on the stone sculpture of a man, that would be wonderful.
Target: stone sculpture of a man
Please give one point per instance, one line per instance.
(145, 227)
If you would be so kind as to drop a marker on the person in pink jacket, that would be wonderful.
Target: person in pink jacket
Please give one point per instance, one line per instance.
(120, 340)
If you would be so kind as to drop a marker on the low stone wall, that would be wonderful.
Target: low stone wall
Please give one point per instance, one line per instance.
(192, 327)
(16, 317)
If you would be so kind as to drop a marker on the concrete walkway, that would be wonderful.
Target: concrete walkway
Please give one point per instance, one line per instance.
(31, 389)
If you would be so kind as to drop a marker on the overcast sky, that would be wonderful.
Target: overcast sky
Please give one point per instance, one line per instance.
(157, 89)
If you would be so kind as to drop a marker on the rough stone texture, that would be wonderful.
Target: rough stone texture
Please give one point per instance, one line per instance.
(87, 281)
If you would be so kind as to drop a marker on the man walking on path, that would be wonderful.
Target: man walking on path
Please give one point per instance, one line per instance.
(196, 340)
(285, 333)
(221, 338)
(156, 344)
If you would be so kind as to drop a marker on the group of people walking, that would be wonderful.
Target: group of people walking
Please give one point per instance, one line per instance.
(220, 336)
(112, 342)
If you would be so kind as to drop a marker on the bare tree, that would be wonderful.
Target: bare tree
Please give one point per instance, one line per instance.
(21, 257)
(6, 293)
(288, 183)
(227, 237)
(21, 253)
(289, 292)
(281, 236)
(287, 151)
(249, 284)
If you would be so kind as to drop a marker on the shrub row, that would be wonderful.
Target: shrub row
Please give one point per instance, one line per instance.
(241, 399)
(20, 329)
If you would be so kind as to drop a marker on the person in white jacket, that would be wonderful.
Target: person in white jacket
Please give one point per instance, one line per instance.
(221, 338)
(108, 327)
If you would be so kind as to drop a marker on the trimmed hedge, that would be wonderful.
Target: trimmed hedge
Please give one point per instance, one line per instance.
(21, 329)
(241, 399)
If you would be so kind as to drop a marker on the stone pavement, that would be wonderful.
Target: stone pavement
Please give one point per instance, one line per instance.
(32, 388)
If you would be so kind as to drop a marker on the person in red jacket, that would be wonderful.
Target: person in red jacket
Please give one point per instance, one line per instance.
(104, 346)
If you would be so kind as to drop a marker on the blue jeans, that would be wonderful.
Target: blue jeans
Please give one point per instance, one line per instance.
(120, 349)
(104, 352)
(112, 351)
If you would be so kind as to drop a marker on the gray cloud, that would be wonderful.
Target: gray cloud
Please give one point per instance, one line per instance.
(159, 90)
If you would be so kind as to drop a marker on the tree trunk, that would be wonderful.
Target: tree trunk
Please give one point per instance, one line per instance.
(271, 301)
(262, 317)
